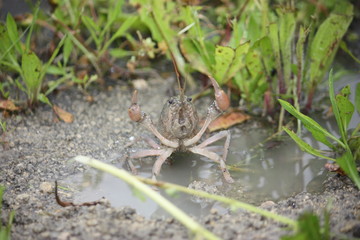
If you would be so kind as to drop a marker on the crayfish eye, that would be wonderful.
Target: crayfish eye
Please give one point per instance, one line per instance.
(189, 99)
(171, 101)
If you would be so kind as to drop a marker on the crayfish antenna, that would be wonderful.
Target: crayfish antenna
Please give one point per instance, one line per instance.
(180, 79)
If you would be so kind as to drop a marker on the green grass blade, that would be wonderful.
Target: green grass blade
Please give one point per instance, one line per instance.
(120, 32)
(336, 108)
(304, 146)
(192, 225)
(318, 132)
(54, 54)
(92, 28)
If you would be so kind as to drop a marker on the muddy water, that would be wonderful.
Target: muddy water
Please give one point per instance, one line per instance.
(270, 171)
(263, 170)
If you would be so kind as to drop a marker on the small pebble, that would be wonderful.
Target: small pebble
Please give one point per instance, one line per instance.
(140, 84)
(46, 187)
(23, 198)
(267, 204)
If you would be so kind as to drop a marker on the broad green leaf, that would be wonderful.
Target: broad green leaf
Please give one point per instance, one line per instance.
(31, 67)
(346, 109)
(347, 162)
(326, 43)
(304, 146)
(318, 132)
(68, 46)
(228, 61)
(274, 38)
(237, 33)
(238, 61)
(266, 50)
(253, 63)
(254, 29)
(7, 53)
(13, 32)
(224, 57)
(357, 98)
(286, 34)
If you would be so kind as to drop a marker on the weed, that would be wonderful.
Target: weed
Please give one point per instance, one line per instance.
(19, 58)
(343, 110)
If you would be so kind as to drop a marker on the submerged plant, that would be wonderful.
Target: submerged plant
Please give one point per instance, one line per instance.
(347, 147)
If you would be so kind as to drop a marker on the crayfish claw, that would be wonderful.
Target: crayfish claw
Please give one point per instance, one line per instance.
(134, 110)
(222, 99)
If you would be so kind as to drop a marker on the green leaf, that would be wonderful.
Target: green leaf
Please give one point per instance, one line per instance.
(68, 46)
(93, 29)
(113, 14)
(326, 43)
(254, 63)
(121, 31)
(318, 132)
(224, 56)
(309, 228)
(120, 53)
(274, 38)
(344, 47)
(336, 110)
(286, 34)
(346, 108)
(228, 61)
(192, 54)
(357, 98)
(31, 67)
(13, 32)
(347, 162)
(8, 57)
(51, 59)
(304, 146)
(44, 99)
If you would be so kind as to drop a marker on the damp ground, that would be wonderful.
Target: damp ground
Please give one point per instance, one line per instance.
(275, 175)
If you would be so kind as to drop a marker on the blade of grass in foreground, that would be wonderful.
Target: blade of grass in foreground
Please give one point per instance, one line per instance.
(178, 214)
(130, 179)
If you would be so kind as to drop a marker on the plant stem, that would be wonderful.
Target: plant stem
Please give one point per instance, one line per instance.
(177, 213)
(234, 204)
